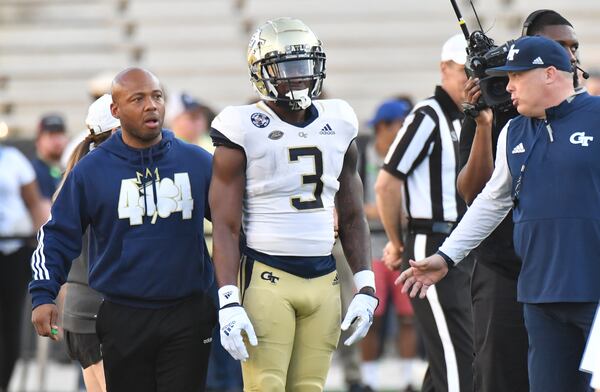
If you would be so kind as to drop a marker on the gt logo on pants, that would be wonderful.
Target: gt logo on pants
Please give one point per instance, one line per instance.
(268, 275)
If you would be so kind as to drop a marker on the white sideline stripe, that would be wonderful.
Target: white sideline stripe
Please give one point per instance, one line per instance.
(440, 321)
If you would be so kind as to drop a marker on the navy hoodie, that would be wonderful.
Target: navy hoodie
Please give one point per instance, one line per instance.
(145, 210)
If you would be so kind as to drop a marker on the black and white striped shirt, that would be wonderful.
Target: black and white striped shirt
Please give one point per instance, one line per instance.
(425, 155)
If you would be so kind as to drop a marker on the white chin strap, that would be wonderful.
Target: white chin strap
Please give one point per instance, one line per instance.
(300, 98)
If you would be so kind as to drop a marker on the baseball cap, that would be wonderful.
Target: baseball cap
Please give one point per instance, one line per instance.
(52, 123)
(99, 118)
(179, 103)
(534, 52)
(390, 110)
(455, 49)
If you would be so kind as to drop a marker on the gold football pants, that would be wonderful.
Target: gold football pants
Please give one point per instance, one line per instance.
(297, 323)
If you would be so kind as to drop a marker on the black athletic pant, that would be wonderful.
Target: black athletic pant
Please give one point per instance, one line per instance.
(500, 337)
(13, 288)
(156, 350)
(445, 321)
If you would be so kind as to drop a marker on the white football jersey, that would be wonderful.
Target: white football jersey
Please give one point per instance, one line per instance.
(291, 174)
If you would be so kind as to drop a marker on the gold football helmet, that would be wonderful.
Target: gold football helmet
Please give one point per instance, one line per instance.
(286, 63)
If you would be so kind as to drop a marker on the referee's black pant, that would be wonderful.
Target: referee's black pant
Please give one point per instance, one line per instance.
(156, 350)
(445, 320)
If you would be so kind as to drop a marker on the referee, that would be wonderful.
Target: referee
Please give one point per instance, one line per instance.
(424, 161)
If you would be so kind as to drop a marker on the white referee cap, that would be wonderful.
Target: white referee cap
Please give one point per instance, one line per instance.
(455, 49)
(99, 118)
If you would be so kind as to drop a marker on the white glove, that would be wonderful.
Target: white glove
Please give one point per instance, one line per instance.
(233, 321)
(360, 311)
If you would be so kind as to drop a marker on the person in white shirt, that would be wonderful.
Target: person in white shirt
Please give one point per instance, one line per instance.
(22, 211)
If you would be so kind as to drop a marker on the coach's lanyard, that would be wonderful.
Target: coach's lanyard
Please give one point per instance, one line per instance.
(519, 183)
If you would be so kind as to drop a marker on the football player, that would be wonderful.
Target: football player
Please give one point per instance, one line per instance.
(280, 167)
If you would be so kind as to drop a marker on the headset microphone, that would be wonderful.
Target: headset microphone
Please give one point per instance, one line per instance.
(583, 73)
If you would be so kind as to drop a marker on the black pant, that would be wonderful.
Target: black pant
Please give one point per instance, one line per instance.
(500, 337)
(445, 321)
(13, 288)
(156, 350)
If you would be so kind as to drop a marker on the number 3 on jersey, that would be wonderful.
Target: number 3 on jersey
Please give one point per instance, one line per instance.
(314, 178)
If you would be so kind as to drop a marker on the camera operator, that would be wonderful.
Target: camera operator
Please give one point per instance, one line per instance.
(499, 330)
(547, 168)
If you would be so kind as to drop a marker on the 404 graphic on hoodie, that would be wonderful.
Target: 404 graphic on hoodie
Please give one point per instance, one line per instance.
(150, 195)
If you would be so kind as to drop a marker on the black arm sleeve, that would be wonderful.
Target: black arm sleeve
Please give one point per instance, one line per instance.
(496, 251)
(221, 140)
(467, 134)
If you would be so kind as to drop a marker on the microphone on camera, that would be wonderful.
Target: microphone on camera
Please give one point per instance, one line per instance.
(583, 73)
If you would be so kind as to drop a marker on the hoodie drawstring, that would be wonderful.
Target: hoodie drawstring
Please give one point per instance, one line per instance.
(144, 182)
(154, 192)
(550, 132)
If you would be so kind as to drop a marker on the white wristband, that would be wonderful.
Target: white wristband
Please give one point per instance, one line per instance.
(229, 294)
(365, 278)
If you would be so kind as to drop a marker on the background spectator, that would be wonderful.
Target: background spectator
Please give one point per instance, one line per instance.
(49, 145)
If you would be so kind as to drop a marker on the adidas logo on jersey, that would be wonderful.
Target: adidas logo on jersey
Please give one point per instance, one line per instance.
(326, 130)
(538, 61)
(519, 149)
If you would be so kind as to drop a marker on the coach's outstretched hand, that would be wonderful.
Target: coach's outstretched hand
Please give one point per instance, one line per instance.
(422, 274)
(361, 311)
(233, 320)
